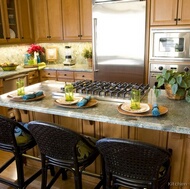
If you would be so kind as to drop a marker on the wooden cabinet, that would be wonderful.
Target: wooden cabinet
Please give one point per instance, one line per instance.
(25, 21)
(9, 30)
(77, 20)
(33, 77)
(1, 86)
(83, 76)
(47, 20)
(15, 21)
(67, 76)
(48, 75)
(170, 12)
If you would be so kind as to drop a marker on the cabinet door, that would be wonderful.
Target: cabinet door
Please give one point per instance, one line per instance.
(86, 19)
(163, 12)
(47, 20)
(25, 21)
(183, 12)
(9, 19)
(71, 19)
(77, 20)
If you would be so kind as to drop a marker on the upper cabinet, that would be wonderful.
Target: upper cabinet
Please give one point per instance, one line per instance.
(25, 21)
(170, 12)
(15, 21)
(47, 20)
(77, 20)
(9, 30)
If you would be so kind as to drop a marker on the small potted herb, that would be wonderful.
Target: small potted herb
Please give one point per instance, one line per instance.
(87, 53)
(176, 83)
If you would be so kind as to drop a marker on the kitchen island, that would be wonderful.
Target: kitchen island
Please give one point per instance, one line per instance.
(171, 130)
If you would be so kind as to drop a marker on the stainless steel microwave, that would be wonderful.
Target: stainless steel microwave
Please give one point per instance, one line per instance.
(170, 44)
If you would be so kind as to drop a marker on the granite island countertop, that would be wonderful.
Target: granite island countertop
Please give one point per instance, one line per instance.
(176, 120)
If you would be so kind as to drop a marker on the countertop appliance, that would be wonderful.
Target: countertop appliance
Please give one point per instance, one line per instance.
(119, 40)
(105, 90)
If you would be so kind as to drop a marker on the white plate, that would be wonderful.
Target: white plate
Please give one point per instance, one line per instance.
(64, 102)
(127, 107)
(12, 33)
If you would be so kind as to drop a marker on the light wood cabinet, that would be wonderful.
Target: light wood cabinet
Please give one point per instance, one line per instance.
(67, 76)
(77, 20)
(83, 76)
(9, 30)
(33, 77)
(170, 12)
(15, 21)
(48, 75)
(25, 21)
(47, 20)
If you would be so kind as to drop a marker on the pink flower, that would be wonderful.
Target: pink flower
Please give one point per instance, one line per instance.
(35, 48)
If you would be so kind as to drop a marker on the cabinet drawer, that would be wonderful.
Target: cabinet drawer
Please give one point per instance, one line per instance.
(65, 75)
(83, 76)
(33, 74)
(48, 74)
(33, 81)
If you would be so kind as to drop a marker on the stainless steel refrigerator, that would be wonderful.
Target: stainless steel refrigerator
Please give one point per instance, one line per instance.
(119, 40)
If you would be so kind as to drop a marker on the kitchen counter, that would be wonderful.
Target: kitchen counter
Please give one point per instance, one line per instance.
(176, 120)
(20, 69)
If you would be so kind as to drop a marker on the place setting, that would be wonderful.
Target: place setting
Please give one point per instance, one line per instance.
(69, 100)
(134, 107)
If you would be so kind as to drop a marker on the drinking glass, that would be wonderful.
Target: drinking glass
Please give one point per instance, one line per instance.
(69, 95)
(135, 99)
(20, 87)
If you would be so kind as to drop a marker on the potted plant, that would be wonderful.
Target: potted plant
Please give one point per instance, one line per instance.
(87, 53)
(176, 83)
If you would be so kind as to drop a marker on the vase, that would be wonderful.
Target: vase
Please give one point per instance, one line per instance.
(89, 60)
(172, 96)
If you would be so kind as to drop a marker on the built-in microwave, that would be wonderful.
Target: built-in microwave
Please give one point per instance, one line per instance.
(170, 44)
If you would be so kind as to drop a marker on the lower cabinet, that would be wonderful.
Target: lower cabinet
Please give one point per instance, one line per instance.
(33, 77)
(65, 76)
(179, 143)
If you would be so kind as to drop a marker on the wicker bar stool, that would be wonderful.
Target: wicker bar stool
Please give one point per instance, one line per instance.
(64, 149)
(15, 138)
(134, 164)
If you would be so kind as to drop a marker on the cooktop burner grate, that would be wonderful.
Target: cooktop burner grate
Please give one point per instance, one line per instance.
(111, 90)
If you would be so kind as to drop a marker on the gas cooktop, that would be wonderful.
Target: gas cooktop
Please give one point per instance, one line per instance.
(107, 91)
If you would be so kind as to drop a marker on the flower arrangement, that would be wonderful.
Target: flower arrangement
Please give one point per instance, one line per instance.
(35, 48)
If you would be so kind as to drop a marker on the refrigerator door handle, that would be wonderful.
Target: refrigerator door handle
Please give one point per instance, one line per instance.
(94, 45)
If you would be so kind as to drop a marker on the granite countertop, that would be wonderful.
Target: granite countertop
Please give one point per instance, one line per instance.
(176, 120)
(20, 69)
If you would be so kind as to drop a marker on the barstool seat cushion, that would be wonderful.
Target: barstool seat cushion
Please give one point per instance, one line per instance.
(21, 136)
(83, 150)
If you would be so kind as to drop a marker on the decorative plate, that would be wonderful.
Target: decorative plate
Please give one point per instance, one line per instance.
(127, 107)
(64, 102)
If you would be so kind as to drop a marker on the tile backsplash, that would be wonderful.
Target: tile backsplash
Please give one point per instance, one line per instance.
(15, 53)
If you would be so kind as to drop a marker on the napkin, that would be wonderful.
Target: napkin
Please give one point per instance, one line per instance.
(32, 95)
(84, 101)
(29, 96)
(155, 110)
(41, 65)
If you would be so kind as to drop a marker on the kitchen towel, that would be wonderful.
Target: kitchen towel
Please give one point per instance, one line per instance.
(155, 110)
(84, 101)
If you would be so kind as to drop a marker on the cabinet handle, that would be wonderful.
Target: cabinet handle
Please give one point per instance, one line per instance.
(7, 38)
(179, 19)
(48, 73)
(22, 37)
(83, 75)
(175, 19)
(79, 35)
(65, 74)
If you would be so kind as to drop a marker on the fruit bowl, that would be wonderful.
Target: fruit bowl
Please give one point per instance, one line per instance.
(8, 66)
